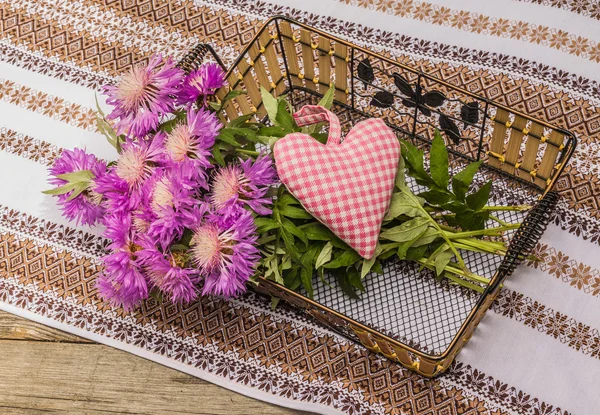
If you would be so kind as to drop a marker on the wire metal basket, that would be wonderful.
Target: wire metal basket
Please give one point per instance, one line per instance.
(406, 314)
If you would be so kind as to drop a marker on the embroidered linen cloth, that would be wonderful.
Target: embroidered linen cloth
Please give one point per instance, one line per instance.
(537, 351)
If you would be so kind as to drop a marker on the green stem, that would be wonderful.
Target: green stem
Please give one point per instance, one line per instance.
(463, 283)
(452, 272)
(497, 248)
(248, 152)
(516, 208)
(489, 232)
(483, 250)
(437, 227)
(500, 221)
(271, 238)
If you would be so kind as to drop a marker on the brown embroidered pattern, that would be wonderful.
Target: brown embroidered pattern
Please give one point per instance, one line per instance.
(32, 62)
(576, 274)
(587, 8)
(485, 25)
(53, 107)
(30, 148)
(565, 329)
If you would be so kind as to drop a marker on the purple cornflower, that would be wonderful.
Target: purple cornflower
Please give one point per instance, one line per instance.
(84, 208)
(143, 95)
(122, 186)
(226, 256)
(172, 203)
(138, 158)
(244, 183)
(201, 82)
(170, 272)
(192, 141)
(122, 282)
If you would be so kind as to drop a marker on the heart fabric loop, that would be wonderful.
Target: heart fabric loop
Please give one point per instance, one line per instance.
(313, 114)
(347, 185)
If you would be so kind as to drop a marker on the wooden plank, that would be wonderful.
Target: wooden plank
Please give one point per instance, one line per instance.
(341, 72)
(498, 136)
(290, 52)
(308, 59)
(531, 150)
(546, 168)
(514, 144)
(273, 62)
(17, 328)
(45, 376)
(324, 64)
(261, 75)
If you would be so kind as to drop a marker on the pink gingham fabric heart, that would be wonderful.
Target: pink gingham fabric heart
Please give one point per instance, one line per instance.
(346, 185)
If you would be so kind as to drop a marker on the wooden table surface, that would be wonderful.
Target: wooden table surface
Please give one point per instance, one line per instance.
(43, 370)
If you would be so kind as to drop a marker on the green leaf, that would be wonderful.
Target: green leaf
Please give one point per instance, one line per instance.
(414, 161)
(479, 199)
(438, 161)
(456, 207)
(344, 283)
(240, 121)
(354, 279)
(290, 246)
(306, 273)
(245, 132)
(271, 104)
(292, 279)
(285, 119)
(407, 231)
(60, 190)
(471, 221)
(77, 176)
(327, 100)
(367, 264)
(436, 196)
(400, 178)
(215, 106)
(463, 179)
(274, 268)
(294, 212)
(265, 224)
(402, 204)
(415, 253)
(80, 187)
(427, 237)
(325, 255)
(442, 259)
(347, 258)
(227, 136)
(217, 155)
(377, 268)
(274, 302)
(228, 96)
(272, 131)
(318, 232)
(287, 199)
(320, 137)
(294, 230)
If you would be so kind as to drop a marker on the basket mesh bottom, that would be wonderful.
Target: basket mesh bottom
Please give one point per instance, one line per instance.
(413, 306)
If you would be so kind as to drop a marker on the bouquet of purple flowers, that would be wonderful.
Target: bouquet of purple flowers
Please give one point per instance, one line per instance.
(174, 216)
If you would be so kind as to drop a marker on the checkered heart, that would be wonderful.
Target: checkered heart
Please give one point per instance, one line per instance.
(346, 185)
